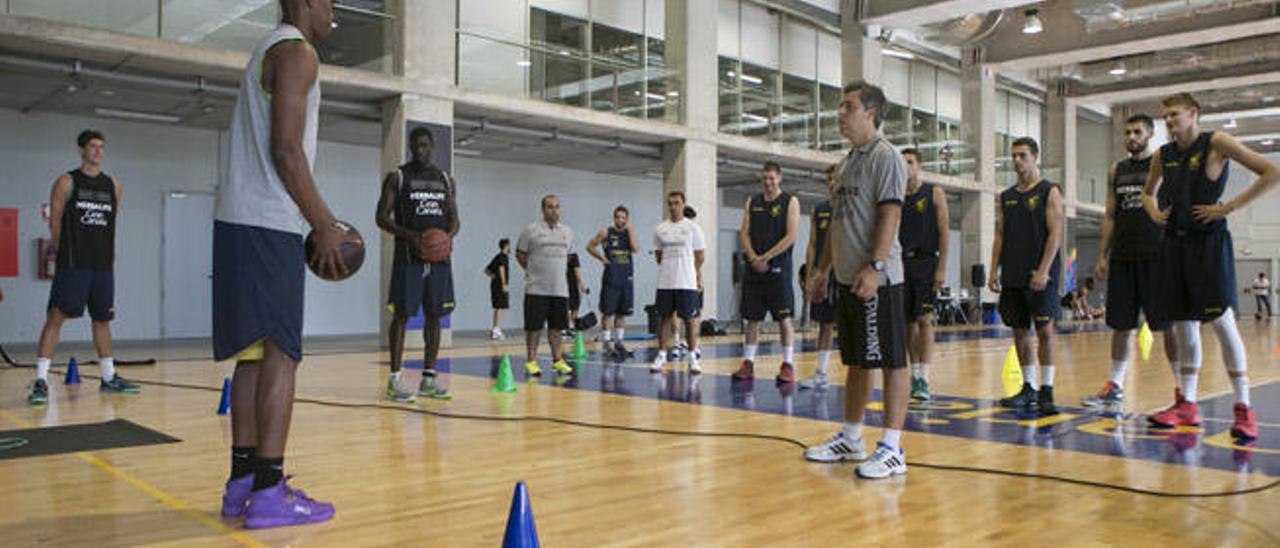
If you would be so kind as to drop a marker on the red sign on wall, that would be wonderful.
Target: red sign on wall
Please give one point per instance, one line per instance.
(8, 242)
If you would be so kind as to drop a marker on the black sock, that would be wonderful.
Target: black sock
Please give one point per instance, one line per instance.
(242, 461)
(267, 472)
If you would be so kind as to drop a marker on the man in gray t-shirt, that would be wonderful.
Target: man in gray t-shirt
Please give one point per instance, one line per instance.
(543, 251)
(863, 247)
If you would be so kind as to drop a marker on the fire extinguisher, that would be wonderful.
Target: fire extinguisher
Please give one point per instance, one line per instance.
(48, 257)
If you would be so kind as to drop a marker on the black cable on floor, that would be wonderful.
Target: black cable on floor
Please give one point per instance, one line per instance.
(15, 363)
(738, 435)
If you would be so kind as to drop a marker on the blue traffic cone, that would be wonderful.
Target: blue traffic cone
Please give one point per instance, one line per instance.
(521, 533)
(224, 406)
(73, 372)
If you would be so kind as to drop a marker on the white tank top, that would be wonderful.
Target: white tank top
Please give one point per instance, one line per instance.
(253, 193)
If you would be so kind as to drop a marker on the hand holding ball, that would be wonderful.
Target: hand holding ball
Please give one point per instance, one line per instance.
(434, 245)
(335, 253)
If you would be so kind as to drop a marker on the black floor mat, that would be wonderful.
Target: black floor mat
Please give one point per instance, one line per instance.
(55, 440)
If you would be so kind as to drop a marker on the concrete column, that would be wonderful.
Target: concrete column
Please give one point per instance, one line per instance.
(1058, 151)
(425, 54)
(690, 165)
(978, 110)
(860, 57)
(978, 230)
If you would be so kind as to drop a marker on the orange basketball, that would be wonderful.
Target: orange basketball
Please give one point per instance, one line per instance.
(434, 245)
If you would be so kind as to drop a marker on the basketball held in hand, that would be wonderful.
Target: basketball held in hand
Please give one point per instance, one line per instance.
(351, 250)
(434, 245)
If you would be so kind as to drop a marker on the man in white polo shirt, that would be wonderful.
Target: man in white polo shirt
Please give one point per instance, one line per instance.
(543, 252)
(678, 245)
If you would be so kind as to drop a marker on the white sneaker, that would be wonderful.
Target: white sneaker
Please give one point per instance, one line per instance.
(884, 462)
(818, 379)
(496, 334)
(694, 368)
(656, 367)
(838, 448)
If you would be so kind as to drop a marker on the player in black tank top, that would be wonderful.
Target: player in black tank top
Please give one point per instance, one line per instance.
(83, 209)
(1197, 262)
(770, 222)
(416, 197)
(923, 234)
(1024, 270)
(616, 286)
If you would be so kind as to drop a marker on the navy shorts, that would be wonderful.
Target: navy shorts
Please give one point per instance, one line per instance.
(545, 310)
(415, 285)
(872, 333)
(824, 311)
(1131, 287)
(769, 292)
(499, 299)
(616, 298)
(683, 302)
(918, 287)
(75, 288)
(259, 278)
(1020, 307)
(1197, 280)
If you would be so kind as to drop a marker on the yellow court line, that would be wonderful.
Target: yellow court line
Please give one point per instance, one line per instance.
(168, 500)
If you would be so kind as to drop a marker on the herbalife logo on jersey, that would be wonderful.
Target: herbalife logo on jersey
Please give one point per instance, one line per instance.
(93, 213)
(430, 203)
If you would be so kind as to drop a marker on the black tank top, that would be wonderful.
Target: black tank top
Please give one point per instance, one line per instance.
(918, 233)
(421, 203)
(88, 234)
(1024, 235)
(768, 227)
(821, 228)
(1188, 185)
(1136, 236)
(617, 250)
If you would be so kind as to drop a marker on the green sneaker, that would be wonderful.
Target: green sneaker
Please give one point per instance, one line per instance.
(920, 389)
(119, 385)
(39, 393)
(399, 394)
(429, 389)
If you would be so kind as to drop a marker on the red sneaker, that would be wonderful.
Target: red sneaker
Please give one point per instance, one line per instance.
(1182, 413)
(1246, 425)
(786, 374)
(746, 372)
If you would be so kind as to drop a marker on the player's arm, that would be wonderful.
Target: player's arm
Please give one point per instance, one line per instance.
(744, 235)
(502, 276)
(944, 235)
(657, 247)
(1108, 228)
(1155, 176)
(997, 243)
(631, 236)
(385, 216)
(119, 193)
(594, 244)
(451, 208)
(793, 226)
(522, 249)
(1231, 149)
(1053, 217)
(810, 252)
(289, 70)
(57, 203)
(699, 252)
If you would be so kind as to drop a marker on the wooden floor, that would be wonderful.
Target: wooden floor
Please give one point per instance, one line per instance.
(404, 478)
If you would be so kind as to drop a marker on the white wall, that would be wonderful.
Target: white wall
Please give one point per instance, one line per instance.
(150, 160)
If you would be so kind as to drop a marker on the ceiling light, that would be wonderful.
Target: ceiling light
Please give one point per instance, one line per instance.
(1231, 124)
(673, 94)
(524, 63)
(898, 53)
(751, 79)
(655, 97)
(1118, 69)
(1266, 112)
(1033, 23)
(106, 92)
(135, 115)
(1267, 142)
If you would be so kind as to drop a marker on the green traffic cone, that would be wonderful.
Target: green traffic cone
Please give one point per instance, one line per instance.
(506, 381)
(579, 349)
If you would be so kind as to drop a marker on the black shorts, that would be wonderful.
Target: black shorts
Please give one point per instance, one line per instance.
(1020, 307)
(575, 300)
(1131, 287)
(616, 299)
(545, 310)
(824, 311)
(75, 288)
(684, 302)
(1197, 280)
(429, 286)
(259, 281)
(499, 299)
(920, 297)
(872, 333)
(772, 293)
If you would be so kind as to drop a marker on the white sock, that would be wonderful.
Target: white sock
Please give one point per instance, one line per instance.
(1241, 387)
(1189, 383)
(1117, 372)
(661, 359)
(788, 353)
(915, 370)
(395, 376)
(606, 336)
(617, 334)
(924, 371)
(1029, 375)
(824, 356)
(852, 431)
(676, 337)
(749, 352)
(42, 368)
(891, 437)
(693, 356)
(108, 366)
(1046, 378)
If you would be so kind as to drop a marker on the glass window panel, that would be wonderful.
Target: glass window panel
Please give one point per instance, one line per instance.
(798, 121)
(949, 94)
(897, 124)
(127, 16)
(1017, 116)
(925, 137)
(759, 100)
(923, 87)
(897, 79)
(829, 64)
(759, 36)
(727, 29)
(222, 24)
(799, 49)
(1033, 120)
(494, 67)
(1002, 112)
(617, 75)
(830, 127)
(362, 39)
(627, 16)
(559, 65)
(655, 17)
(501, 19)
(730, 116)
(577, 8)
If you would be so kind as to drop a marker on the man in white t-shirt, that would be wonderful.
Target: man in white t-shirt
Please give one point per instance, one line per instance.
(543, 252)
(678, 245)
(1261, 294)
